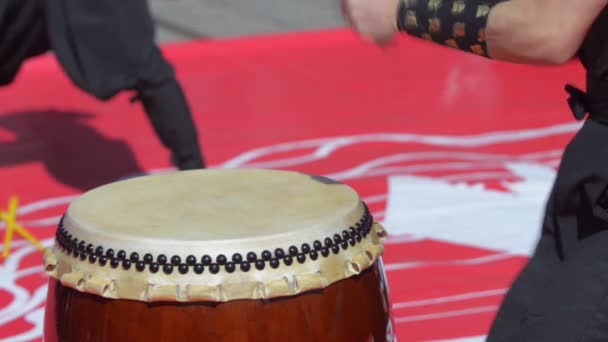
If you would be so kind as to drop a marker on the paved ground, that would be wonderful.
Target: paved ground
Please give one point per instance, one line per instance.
(186, 19)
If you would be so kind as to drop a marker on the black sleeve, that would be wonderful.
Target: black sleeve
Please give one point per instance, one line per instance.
(103, 45)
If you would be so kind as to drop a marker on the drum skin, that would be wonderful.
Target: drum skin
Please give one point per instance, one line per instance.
(353, 309)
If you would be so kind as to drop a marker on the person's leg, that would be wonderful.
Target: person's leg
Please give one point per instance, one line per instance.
(559, 296)
(569, 306)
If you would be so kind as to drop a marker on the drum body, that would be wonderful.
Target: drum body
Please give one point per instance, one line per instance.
(353, 309)
(240, 258)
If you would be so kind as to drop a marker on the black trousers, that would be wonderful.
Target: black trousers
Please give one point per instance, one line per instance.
(562, 293)
(105, 47)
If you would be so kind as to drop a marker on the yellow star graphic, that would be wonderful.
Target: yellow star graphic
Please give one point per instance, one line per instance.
(10, 219)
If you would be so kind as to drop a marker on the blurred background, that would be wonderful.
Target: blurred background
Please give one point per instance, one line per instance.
(179, 20)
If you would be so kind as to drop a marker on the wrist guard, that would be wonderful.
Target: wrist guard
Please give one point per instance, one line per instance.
(460, 24)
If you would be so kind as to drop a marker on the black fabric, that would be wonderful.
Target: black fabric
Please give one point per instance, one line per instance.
(594, 56)
(22, 35)
(105, 47)
(165, 105)
(455, 23)
(562, 293)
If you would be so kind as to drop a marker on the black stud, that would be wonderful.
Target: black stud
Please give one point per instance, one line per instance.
(214, 268)
(335, 249)
(140, 265)
(206, 260)
(266, 255)
(154, 267)
(191, 260)
(337, 238)
(90, 248)
(358, 237)
(75, 253)
(134, 257)
(352, 241)
(237, 258)
(83, 255)
(288, 260)
(293, 251)
(317, 245)
(344, 244)
(81, 244)
(148, 258)
(329, 242)
(230, 267)
(199, 268)
(313, 255)
(245, 266)
(279, 253)
(345, 235)
(114, 262)
(99, 250)
(325, 251)
(103, 260)
(168, 268)
(161, 259)
(301, 258)
(183, 268)
(259, 264)
(221, 259)
(110, 253)
(352, 231)
(176, 260)
(251, 257)
(126, 264)
(274, 263)
(92, 258)
(305, 248)
(121, 255)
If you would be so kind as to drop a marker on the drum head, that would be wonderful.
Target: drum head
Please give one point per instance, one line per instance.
(214, 235)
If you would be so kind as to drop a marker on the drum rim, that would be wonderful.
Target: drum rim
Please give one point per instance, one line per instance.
(320, 260)
(70, 245)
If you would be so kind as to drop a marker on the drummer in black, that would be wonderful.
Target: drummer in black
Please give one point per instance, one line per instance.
(562, 293)
(105, 47)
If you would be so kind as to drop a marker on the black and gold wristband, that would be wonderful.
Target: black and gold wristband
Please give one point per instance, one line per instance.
(460, 24)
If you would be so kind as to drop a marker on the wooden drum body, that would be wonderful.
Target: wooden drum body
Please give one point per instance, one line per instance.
(221, 266)
(354, 309)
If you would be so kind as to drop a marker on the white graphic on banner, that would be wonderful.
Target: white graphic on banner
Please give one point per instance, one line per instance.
(471, 214)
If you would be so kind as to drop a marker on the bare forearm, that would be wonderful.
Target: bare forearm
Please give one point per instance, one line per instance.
(539, 31)
(522, 31)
